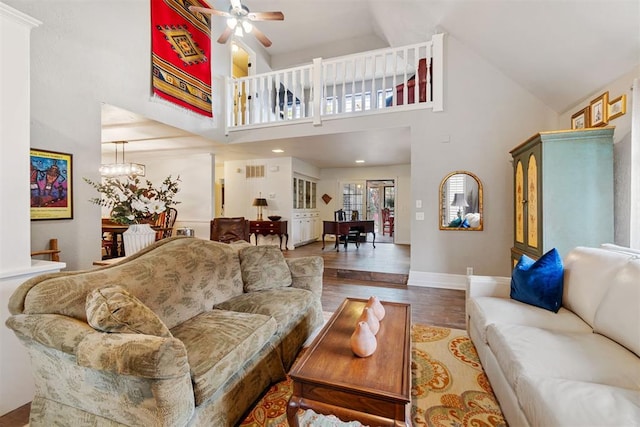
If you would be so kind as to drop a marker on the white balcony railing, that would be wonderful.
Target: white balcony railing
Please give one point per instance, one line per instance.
(367, 83)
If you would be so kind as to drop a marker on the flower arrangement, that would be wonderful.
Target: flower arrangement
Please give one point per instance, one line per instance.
(133, 202)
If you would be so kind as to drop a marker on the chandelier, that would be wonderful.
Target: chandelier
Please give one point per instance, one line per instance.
(121, 168)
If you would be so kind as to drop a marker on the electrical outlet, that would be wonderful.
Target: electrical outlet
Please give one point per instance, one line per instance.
(419, 216)
(469, 271)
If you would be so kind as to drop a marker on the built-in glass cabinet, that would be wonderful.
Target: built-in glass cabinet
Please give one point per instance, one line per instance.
(304, 193)
(305, 225)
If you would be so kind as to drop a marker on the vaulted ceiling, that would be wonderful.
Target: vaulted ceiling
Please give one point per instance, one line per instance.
(559, 50)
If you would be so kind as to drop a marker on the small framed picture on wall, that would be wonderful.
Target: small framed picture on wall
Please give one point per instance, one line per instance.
(618, 107)
(580, 120)
(598, 110)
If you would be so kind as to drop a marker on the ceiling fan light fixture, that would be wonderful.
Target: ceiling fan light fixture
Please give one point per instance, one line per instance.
(247, 26)
(238, 31)
(232, 22)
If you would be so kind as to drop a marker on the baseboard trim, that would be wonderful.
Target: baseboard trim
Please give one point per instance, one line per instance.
(437, 280)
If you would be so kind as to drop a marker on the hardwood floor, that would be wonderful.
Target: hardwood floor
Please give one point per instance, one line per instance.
(429, 306)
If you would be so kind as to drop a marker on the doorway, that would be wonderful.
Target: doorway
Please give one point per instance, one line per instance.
(381, 200)
(367, 199)
(242, 65)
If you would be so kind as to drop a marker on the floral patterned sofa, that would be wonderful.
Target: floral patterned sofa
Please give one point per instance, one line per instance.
(185, 332)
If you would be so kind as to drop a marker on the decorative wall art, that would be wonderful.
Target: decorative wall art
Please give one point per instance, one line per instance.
(598, 111)
(618, 107)
(51, 185)
(580, 120)
(181, 52)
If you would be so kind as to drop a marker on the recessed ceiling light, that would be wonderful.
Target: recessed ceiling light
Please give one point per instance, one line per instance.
(359, 161)
(277, 150)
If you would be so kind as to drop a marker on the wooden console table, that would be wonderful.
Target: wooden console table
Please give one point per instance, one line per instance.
(376, 390)
(266, 228)
(341, 228)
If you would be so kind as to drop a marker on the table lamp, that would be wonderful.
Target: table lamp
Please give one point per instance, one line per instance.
(260, 203)
(460, 202)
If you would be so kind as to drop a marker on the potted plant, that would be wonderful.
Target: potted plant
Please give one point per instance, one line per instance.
(137, 204)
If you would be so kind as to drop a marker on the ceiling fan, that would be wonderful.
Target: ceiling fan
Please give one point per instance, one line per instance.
(239, 21)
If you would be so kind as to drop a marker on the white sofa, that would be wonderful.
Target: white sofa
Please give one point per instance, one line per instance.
(578, 367)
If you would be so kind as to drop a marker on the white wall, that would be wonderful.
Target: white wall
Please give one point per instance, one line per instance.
(196, 195)
(304, 168)
(276, 187)
(486, 115)
(330, 184)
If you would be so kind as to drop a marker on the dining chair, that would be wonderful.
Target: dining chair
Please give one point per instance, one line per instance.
(166, 220)
(53, 252)
(387, 222)
(354, 232)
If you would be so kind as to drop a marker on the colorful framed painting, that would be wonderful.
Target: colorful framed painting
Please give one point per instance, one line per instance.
(580, 120)
(618, 107)
(598, 111)
(51, 185)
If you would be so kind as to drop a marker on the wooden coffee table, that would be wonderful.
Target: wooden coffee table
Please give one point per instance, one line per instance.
(375, 390)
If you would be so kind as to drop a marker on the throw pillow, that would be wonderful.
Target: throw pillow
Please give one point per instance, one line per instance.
(539, 283)
(263, 267)
(113, 309)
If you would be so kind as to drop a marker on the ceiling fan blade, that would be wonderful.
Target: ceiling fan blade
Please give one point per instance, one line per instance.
(266, 16)
(225, 35)
(261, 37)
(209, 11)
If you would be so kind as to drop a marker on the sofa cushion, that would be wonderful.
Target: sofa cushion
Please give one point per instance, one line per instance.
(219, 343)
(561, 402)
(485, 311)
(618, 315)
(525, 350)
(588, 273)
(539, 282)
(263, 267)
(285, 305)
(113, 309)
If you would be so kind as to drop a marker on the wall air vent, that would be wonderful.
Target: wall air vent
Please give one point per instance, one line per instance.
(254, 171)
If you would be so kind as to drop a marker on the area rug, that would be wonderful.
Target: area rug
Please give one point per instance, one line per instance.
(181, 52)
(449, 388)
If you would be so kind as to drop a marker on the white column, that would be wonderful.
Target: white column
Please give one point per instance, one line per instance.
(16, 266)
(634, 196)
(15, 226)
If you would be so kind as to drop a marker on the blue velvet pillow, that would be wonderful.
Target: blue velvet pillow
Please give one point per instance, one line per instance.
(539, 283)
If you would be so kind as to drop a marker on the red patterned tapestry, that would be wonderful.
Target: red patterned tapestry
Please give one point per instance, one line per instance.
(181, 52)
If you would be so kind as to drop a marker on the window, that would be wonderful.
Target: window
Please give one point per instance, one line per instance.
(356, 103)
(353, 198)
(351, 103)
(382, 99)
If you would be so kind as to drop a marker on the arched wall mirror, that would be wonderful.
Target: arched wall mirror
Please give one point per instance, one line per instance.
(461, 202)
